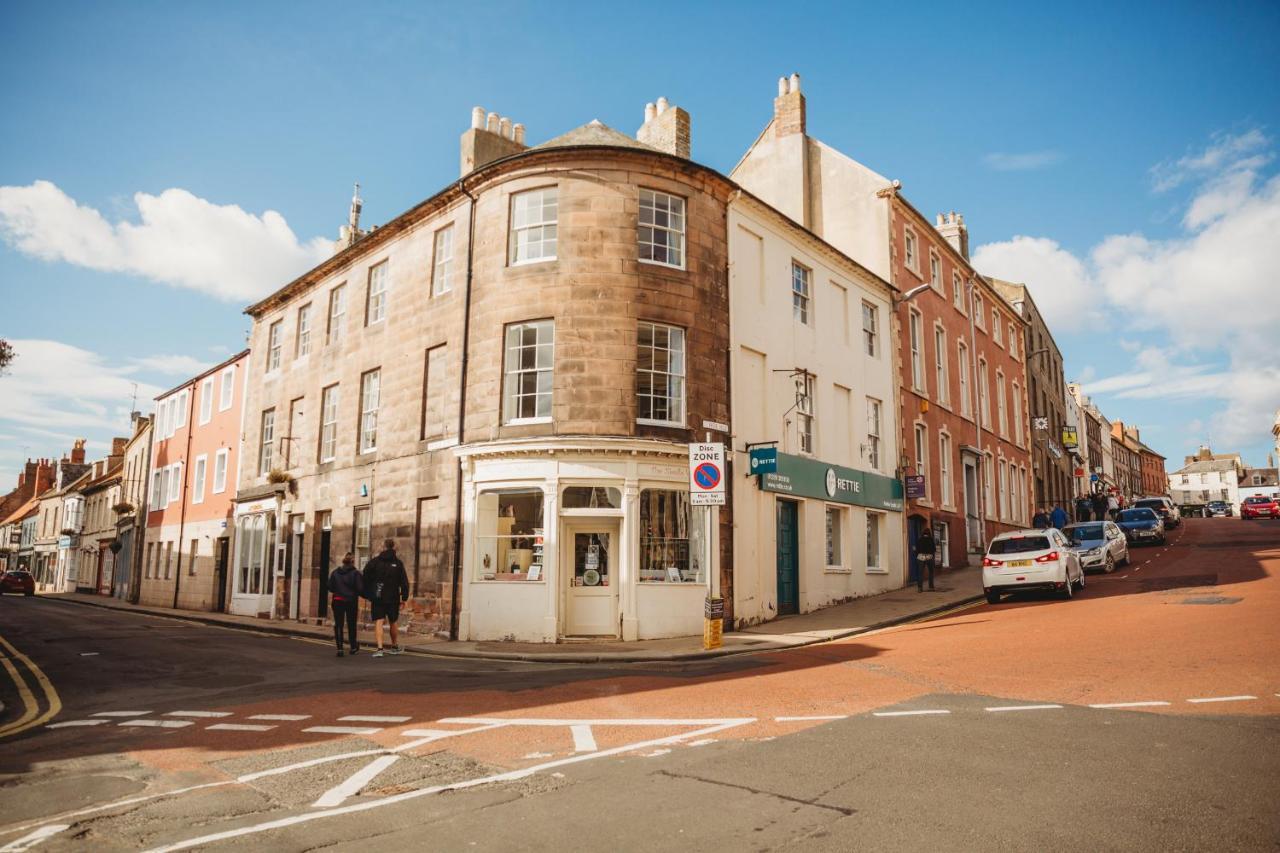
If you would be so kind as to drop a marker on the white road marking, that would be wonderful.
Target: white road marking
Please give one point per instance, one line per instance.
(597, 721)
(354, 783)
(1223, 699)
(158, 724)
(714, 727)
(999, 708)
(1129, 705)
(703, 742)
(908, 713)
(583, 739)
(198, 714)
(285, 717)
(89, 654)
(539, 755)
(656, 753)
(361, 719)
(238, 727)
(431, 733)
(812, 717)
(70, 723)
(342, 730)
(30, 840)
(121, 714)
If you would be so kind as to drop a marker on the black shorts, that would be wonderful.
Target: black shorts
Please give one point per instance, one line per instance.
(390, 612)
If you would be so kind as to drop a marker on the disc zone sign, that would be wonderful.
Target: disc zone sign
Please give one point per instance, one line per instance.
(706, 474)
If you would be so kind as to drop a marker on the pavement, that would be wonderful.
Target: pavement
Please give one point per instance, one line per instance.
(1142, 715)
(954, 589)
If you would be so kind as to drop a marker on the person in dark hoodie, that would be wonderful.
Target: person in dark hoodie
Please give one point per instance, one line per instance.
(347, 587)
(387, 585)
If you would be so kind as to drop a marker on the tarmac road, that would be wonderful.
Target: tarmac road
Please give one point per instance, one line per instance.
(978, 730)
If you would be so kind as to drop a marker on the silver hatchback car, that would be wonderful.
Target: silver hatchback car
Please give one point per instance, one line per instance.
(1101, 545)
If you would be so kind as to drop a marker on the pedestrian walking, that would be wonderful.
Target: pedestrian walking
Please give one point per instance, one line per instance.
(1041, 519)
(926, 552)
(1099, 506)
(1058, 518)
(1113, 507)
(1082, 508)
(387, 587)
(347, 588)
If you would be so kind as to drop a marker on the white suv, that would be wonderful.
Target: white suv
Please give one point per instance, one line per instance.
(1031, 559)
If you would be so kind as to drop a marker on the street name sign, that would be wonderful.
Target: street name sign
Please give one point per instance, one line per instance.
(706, 474)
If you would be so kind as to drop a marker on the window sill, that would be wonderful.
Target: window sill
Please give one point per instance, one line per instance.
(875, 570)
(702, 585)
(665, 266)
(532, 261)
(510, 582)
(526, 421)
(837, 570)
(651, 422)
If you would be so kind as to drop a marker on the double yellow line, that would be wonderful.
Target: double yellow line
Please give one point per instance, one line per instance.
(32, 716)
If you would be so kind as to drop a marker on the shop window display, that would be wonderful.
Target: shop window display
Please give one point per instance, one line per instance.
(672, 538)
(510, 542)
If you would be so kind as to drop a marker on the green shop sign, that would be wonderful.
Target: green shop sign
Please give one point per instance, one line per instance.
(811, 478)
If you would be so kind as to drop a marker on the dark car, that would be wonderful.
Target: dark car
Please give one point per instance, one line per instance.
(1164, 508)
(1142, 525)
(17, 580)
(1216, 508)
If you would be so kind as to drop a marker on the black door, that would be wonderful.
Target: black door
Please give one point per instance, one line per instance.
(224, 550)
(322, 574)
(788, 558)
(915, 526)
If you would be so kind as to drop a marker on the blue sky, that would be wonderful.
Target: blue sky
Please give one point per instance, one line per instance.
(1120, 161)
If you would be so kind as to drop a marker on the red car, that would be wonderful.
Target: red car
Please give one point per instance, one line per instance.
(17, 580)
(1259, 506)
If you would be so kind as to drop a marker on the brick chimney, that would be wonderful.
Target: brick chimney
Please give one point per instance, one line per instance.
(490, 137)
(788, 107)
(118, 445)
(951, 226)
(666, 128)
(77, 452)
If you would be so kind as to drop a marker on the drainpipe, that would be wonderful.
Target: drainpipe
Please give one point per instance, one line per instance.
(462, 410)
(186, 472)
(977, 426)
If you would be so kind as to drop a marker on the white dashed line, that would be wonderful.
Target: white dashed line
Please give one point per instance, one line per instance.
(238, 727)
(198, 714)
(432, 733)
(69, 723)
(363, 719)
(1000, 708)
(583, 739)
(89, 654)
(122, 713)
(341, 730)
(908, 713)
(158, 724)
(812, 717)
(538, 755)
(703, 742)
(284, 717)
(1129, 705)
(1222, 699)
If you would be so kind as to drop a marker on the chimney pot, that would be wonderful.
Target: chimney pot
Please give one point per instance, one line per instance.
(477, 118)
(504, 128)
(939, 218)
(518, 130)
(650, 112)
(491, 123)
(782, 86)
(662, 105)
(794, 87)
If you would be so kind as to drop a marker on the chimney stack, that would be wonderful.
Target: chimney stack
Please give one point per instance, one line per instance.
(77, 452)
(788, 107)
(490, 137)
(666, 128)
(951, 226)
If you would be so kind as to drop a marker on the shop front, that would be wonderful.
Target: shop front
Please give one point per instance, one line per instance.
(253, 578)
(593, 540)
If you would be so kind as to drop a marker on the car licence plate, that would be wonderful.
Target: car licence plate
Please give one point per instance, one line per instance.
(1018, 563)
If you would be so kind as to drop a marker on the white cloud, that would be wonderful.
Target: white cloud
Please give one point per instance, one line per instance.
(1023, 162)
(180, 240)
(172, 365)
(1061, 285)
(1209, 291)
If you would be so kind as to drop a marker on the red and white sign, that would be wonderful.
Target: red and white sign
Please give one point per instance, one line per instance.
(706, 474)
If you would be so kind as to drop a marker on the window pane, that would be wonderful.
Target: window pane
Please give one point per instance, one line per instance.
(509, 534)
(672, 541)
(591, 497)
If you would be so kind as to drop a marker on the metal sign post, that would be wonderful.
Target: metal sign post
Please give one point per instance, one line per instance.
(707, 488)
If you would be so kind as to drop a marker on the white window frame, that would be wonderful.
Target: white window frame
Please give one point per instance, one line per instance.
(941, 374)
(875, 425)
(206, 400)
(979, 305)
(801, 292)
(227, 400)
(180, 410)
(221, 461)
(328, 433)
(871, 336)
(529, 219)
(1013, 341)
(651, 217)
(157, 490)
(175, 483)
(921, 435)
(370, 398)
(957, 292)
(1017, 413)
(806, 416)
(996, 336)
(935, 270)
(442, 261)
(911, 250)
(984, 394)
(375, 301)
(337, 314)
(1002, 405)
(673, 378)
(875, 532)
(835, 521)
(962, 365)
(275, 345)
(198, 479)
(514, 371)
(945, 482)
(266, 441)
(302, 339)
(915, 335)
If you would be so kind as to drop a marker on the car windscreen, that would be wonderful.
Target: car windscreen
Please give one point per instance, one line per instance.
(1257, 500)
(1020, 544)
(1151, 504)
(1137, 515)
(1078, 533)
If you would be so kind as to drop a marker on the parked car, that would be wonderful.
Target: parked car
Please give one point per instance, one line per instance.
(1099, 544)
(1164, 507)
(1259, 506)
(1142, 525)
(1217, 508)
(17, 580)
(1030, 559)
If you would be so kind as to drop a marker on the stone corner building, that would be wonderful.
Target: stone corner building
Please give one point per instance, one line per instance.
(504, 380)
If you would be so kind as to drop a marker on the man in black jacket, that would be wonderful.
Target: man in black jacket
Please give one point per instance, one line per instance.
(926, 553)
(386, 585)
(347, 587)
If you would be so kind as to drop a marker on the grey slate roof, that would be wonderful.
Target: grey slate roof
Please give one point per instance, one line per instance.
(594, 132)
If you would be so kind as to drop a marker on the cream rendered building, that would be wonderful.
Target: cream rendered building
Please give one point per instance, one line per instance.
(812, 370)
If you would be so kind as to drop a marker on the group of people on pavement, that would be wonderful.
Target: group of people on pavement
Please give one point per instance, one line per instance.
(1097, 507)
(384, 583)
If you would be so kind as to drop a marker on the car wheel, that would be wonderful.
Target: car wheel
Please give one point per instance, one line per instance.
(993, 597)
(1080, 587)
(1069, 589)
(28, 593)
(1110, 565)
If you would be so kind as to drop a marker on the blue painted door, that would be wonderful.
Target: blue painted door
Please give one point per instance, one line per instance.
(788, 558)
